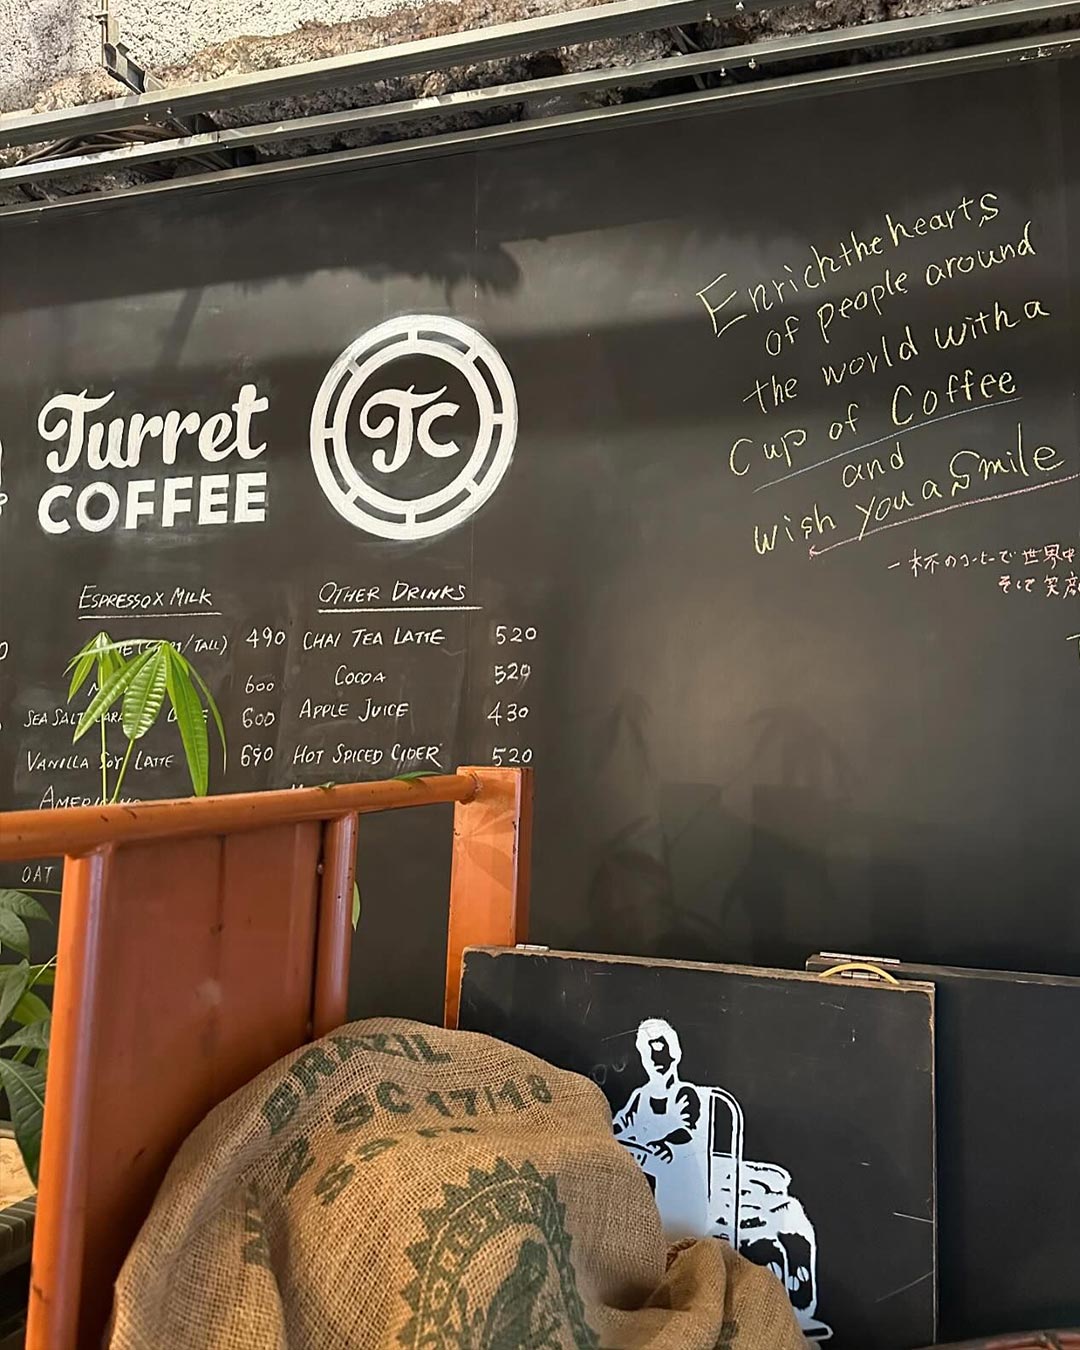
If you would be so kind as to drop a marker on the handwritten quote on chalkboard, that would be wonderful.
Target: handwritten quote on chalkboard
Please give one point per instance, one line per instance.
(886, 484)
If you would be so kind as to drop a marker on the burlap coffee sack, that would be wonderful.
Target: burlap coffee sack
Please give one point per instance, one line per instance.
(397, 1185)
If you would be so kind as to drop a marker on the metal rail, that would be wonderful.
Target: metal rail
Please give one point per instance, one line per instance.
(618, 17)
(907, 68)
(748, 55)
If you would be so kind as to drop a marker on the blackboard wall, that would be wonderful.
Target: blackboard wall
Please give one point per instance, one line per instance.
(741, 754)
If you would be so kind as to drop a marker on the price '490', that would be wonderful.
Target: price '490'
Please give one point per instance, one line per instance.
(266, 637)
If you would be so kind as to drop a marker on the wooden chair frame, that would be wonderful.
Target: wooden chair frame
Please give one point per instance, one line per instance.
(200, 940)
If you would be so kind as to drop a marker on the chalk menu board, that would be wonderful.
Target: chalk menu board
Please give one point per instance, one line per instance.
(725, 470)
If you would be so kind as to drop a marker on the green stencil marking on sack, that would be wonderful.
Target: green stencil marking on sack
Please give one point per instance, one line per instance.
(458, 1300)
(256, 1246)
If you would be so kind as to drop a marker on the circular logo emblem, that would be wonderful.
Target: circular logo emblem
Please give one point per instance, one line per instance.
(471, 1291)
(414, 427)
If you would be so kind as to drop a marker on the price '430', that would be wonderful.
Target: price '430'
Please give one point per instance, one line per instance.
(266, 637)
(510, 712)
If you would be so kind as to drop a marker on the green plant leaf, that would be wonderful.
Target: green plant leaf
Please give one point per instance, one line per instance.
(22, 904)
(121, 649)
(212, 705)
(30, 1009)
(145, 695)
(25, 1088)
(211, 702)
(355, 905)
(84, 664)
(100, 653)
(107, 666)
(189, 721)
(34, 1036)
(106, 696)
(45, 974)
(14, 981)
(13, 933)
(87, 649)
(412, 777)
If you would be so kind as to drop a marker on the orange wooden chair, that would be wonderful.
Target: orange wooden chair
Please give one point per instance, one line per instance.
(200, 940)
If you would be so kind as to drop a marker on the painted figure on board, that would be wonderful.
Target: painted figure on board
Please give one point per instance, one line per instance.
(664, 1126)
(703, 1185)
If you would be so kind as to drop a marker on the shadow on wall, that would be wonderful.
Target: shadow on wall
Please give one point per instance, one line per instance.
(412, 225)
(688, 875)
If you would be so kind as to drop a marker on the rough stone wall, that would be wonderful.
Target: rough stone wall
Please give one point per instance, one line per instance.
(46, 40)
(57, 36)
(50, 56)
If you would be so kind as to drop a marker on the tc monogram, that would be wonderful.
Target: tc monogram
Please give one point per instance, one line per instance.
(405, 402)
(365, 461)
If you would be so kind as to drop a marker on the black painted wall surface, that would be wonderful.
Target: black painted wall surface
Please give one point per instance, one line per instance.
(739, 755)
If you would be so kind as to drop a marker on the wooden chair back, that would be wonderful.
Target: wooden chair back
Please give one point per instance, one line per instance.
(200, 940)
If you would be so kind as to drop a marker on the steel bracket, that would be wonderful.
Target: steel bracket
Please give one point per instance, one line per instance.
(117, 60)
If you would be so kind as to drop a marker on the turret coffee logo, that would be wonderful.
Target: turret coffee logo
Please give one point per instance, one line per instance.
(414, 427)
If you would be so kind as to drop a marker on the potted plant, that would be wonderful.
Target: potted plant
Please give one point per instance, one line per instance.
(142, 675)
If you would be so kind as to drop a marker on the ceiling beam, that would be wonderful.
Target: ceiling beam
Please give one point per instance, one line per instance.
(616, 18)
(752, 54)
(923, 65)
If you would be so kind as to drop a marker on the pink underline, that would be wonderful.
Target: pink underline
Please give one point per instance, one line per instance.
(940, 511)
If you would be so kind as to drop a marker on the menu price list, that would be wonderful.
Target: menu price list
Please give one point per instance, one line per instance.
(343, 687)
(379, 690)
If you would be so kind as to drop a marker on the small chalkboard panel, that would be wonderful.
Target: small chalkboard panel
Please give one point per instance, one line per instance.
(1008, 1103)
(811, 1102)
(724, 470)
